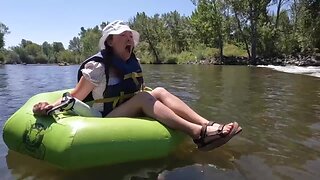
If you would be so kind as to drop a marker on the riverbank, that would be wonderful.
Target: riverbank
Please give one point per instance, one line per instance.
(294, 60)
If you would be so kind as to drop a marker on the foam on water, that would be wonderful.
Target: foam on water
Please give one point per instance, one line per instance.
(309, 70)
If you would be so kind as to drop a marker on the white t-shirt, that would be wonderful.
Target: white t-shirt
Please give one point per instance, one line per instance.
(95, 73)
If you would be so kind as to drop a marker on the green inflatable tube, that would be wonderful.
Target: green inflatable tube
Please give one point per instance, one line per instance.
(74, 142)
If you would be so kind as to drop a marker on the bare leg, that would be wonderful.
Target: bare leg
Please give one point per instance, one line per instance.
(145, 103)
(177, 106)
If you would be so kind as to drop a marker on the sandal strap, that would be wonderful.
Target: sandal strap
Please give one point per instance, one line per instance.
(210, 123)
(217, 138)
(203, 133)
(220, 130)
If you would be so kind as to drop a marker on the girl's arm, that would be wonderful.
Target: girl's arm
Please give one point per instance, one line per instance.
(82, 89)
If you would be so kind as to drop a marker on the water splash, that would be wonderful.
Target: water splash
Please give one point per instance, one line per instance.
(309, 70)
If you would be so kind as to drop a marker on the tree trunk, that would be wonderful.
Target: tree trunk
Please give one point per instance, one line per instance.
(242, 34)
(277, 18)
(154, 51)
(278, 13)
(253, 27)
(295, 15)
(221, 46)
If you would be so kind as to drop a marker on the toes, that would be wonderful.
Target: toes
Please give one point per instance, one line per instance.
(227, 128)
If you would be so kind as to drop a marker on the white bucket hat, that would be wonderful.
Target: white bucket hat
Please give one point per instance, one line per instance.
(117, 27)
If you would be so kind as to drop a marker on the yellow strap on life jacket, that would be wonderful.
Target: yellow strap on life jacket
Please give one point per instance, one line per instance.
(122, 97)
(146, 88)
(134, 76)
(115, 100)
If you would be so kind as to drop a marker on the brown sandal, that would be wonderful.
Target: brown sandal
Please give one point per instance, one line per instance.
(217, 138)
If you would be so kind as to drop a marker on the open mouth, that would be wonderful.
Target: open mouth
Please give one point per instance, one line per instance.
(128, 48)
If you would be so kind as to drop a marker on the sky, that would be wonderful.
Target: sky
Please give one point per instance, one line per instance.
(61, 20)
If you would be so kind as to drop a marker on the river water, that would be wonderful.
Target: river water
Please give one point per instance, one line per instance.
(279, 113)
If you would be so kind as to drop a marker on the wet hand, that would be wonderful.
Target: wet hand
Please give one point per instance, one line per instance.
(41, 108)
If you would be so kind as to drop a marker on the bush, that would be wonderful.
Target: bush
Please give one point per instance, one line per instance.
(171, 59)
(41, 58)
(29, 59)
(143, 54)
(66, 57)
(202, 52)
(186, 56)
(12, 57)
(232, 50)
(2, 61)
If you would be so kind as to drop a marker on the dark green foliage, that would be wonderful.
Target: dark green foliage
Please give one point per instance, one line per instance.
(216, 29)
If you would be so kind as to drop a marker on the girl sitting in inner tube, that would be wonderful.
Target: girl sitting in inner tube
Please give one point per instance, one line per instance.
(112, 80)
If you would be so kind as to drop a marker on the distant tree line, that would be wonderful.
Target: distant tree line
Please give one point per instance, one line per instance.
(216, 28)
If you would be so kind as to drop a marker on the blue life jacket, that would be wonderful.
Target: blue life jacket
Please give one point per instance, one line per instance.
(130, 73)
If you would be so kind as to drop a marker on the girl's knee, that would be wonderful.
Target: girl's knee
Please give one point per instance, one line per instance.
(145, 97)
(159, 92)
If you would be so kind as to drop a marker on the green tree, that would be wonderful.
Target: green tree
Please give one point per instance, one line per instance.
(89, 39)
(24, 43)
(23, 55)
(209, 20)
(288, 43)
(47, 50)
(66, 56)
(57, 47)
(3, 31)
(142, 23)
(307, 23)
(33, 49)
(35, 53)
(75, 45)
(177, 27)
(12, 57)
(250, 15)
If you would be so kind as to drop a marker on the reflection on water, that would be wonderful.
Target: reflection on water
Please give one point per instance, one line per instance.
(279, 112)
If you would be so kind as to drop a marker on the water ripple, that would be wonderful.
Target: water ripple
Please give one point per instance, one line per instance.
(279, 114)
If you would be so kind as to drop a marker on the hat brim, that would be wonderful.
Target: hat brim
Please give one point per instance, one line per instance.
(135, 36)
